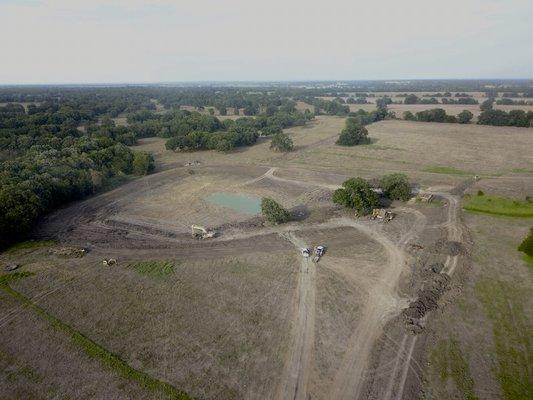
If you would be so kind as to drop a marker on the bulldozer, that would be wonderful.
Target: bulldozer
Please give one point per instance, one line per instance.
(382, 214)
(199, 232)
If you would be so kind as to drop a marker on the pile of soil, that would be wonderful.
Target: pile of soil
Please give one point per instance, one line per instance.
(68, 251)
(449, 248)
(427, 299)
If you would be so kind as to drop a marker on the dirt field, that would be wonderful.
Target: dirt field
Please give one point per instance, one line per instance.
(244, 315)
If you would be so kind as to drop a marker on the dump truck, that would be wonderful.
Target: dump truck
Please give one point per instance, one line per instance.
(382, 214)
(109, 261)
(199, 232)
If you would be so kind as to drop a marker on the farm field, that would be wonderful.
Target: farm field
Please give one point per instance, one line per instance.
(244, 315)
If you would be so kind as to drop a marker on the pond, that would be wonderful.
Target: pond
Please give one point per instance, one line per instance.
(241, 203)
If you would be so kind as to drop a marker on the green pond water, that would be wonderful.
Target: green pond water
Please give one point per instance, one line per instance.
(241, 203)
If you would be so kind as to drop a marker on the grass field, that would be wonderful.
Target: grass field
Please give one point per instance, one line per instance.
(499, 206)
(504, 305)
(157, 269)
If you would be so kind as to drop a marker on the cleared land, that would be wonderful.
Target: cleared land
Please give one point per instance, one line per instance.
(245, 316)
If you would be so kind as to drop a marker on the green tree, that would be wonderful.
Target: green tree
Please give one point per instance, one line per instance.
(396, 187)
(353, 134)
(356, 193)
(409, 116)
(487, 105)
(281, 142)
(143, 163)
(464, 117)
(410, 99)
(273, 212)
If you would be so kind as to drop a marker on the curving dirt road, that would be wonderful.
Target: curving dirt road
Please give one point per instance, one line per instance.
(382, 304)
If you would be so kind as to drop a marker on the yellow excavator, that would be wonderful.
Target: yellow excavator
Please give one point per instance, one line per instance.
(199, 232)
(382, 214)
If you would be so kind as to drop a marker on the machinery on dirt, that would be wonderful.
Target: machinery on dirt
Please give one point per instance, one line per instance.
(109, 262)
(382, 215)
(424, 198)
(199, 232)
(305, 252)
(319, 252)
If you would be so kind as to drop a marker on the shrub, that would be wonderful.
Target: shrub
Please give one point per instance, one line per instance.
(281, 142)
(273, 212)
(527, 244)
(480, 193)
(396, 187)
(356, 193)
(464, 117)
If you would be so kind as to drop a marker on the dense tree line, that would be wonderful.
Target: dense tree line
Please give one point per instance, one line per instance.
(414, 99)
(55, 152)
(501, 118)
(191, 131)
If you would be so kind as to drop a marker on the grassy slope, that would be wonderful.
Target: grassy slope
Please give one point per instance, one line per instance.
(499, 206)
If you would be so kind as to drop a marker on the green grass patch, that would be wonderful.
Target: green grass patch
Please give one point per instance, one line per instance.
(504, 306)
(522, 171)
(94, 350)
(156, 269)
(528, 259)
(31, 244)
(499, 206)
(448, 359)
(442, 169)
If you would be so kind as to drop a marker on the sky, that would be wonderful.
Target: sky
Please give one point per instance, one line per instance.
(143, 41)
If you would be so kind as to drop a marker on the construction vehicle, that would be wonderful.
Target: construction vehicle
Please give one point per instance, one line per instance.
(305, 252)
(109, 261)
(199, 232)
(424, 198)
(319, 252)
(382, 214)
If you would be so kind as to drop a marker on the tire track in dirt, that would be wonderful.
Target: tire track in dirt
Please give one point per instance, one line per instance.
(455, 233)
(297, 369)
(382, 304)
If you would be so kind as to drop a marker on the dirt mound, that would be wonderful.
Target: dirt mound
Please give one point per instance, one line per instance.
(427, 299)
(68, 251)
(449, 247)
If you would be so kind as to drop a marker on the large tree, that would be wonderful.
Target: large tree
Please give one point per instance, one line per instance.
(281, 142)
(396, 187)
(273, 212)
(353, 134)
(356, 193)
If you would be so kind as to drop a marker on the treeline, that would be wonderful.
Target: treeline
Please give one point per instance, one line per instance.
(518, 118)
(46, 160)
(354, 132)
(191, 131)
(413, 99)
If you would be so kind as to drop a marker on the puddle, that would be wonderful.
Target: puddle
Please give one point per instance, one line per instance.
(241, 203)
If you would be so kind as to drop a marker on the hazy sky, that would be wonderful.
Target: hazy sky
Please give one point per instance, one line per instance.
(67, 41)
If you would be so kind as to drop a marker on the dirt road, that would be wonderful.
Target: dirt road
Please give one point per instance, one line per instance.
(298, 368)
(399, 374)
(382, 304)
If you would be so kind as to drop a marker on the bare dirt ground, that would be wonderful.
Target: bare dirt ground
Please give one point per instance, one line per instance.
(244, 315)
